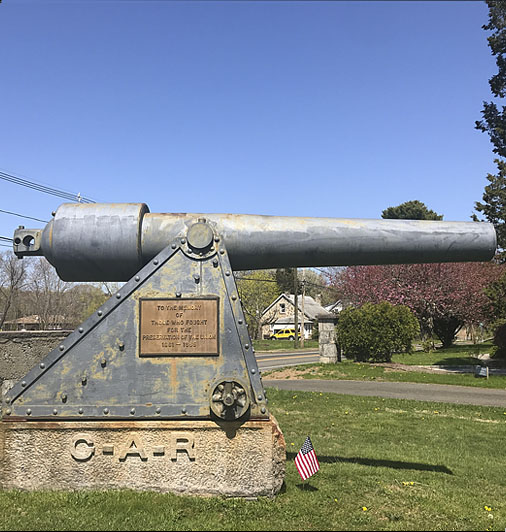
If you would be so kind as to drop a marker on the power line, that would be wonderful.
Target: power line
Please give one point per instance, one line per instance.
(6, 238)
(23, 216)
(273, 281)
(43, 188)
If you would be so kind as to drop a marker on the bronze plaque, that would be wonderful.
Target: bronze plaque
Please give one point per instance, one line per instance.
(178, 326)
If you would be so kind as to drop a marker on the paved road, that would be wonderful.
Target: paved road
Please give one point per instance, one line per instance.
(272, 360)
(398, 390)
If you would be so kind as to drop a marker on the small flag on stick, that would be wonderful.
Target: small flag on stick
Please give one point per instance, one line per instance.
(305, 461)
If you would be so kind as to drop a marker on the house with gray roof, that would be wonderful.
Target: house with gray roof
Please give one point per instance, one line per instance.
(280, 315)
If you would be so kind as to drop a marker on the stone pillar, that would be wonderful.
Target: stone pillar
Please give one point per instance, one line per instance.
(327, 339)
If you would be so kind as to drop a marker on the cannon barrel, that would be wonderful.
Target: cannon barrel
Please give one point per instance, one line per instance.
(112, 241)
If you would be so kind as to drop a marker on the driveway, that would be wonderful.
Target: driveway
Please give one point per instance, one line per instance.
(399, 390)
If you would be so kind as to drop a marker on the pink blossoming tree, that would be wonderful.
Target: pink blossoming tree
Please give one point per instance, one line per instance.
(444, 297)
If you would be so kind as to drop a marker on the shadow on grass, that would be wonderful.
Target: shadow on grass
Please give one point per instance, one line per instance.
(394, 464)
(306, 487)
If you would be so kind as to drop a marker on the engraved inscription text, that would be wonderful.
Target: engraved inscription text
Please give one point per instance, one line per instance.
(178, 326)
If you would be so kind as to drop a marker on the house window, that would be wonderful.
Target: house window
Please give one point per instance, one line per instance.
(282, 308)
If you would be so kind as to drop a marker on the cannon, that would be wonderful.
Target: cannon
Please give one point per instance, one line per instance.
(111, 242)
(170, 351)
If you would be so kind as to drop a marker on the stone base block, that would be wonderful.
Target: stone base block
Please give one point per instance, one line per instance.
(186, 457)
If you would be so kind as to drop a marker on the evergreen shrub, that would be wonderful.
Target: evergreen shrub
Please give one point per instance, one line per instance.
(376, 331)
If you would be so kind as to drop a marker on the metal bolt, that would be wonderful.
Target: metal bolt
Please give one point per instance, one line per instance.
(137, 278)
(84, 380)
(23, 383)
(216, 238)
(100, 313)
(80, 410)
(81, 329)
(118, 296)
(42, 365)
(239, 322)
(246, 346)
(227, 273)
(155, 262)
(64, 397)
(106, 411)
(121, 346)
(183, 241)
(263, 410)
(8, 411)
(158, 410)
(183, 411)
(173, 246)
(178, 294)
(253, 371)
(8, 400)
(260, 397)
(196, 276)
(55, 412)
(215, 262)
(53, 213)
(29, 411)
(132, 411)
(234, 297)
(222, 251)
(62, 348)
(103, 362)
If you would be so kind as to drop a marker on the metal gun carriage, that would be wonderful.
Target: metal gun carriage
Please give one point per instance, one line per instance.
(171, 351)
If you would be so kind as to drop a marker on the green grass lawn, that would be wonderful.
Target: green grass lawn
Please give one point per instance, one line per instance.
(348, 370)
(456, 355)
(275, 345)
(459, 355)
(386, 464)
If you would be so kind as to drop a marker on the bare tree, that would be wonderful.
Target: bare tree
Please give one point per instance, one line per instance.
(48, 295)
(12, 278)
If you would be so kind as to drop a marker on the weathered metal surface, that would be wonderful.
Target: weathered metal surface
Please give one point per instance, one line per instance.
(92, 242)
(101, 370)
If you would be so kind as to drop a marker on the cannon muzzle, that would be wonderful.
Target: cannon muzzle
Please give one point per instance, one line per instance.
(112, 241)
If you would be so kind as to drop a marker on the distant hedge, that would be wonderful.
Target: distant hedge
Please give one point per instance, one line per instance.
(376, 331)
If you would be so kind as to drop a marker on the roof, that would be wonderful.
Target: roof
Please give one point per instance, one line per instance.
(311, 308)
(35, 318)
(335, 307)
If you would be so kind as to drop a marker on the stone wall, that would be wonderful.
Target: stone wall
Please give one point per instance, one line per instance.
(20, 351)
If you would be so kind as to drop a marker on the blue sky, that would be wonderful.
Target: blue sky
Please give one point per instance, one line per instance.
(337, 109)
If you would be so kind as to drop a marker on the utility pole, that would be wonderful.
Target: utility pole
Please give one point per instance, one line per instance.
(296, 308)
(302, 333)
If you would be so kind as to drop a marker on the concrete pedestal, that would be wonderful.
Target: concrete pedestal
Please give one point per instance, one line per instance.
(186, 457)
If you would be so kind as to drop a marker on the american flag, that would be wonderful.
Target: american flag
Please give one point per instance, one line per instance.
(306, 461)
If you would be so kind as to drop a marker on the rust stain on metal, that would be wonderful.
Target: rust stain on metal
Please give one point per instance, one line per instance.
(22, 423)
